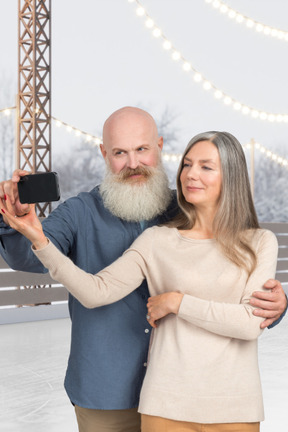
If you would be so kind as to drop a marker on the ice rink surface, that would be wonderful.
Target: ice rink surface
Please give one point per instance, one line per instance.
(33, 362)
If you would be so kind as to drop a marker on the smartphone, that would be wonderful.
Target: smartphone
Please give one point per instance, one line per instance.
(40, 187)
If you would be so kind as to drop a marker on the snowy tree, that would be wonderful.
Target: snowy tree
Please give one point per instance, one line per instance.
(169, 131)
(80, 170)
(271, 191)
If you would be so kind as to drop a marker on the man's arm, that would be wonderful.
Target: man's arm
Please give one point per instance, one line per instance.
(15, 249)
(272, 304)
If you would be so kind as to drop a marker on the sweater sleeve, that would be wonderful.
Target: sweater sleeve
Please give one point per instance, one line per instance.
(235, 320)
(109, 285)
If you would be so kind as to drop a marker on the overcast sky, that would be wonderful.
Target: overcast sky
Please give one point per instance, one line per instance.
(103, 57)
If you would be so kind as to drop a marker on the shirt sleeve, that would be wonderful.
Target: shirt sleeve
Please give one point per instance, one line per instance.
(110, 284)
(58, 227)
(235, 320)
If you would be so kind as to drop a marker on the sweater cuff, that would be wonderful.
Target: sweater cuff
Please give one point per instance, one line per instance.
(189, 307)
(48, 255)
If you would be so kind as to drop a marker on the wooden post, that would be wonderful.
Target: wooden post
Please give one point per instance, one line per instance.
(34, 83)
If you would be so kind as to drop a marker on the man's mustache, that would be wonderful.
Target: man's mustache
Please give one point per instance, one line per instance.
(128, 172)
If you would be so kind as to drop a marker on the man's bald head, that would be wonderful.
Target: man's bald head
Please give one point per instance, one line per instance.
(130, 117)
(130, 140)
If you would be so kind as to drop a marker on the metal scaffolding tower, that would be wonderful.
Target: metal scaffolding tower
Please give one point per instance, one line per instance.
(34, 84)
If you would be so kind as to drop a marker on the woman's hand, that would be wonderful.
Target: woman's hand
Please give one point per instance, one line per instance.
(162, 305)
(29, 225)
(9, 188)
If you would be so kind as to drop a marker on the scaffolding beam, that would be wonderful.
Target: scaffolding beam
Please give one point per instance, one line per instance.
(34, 89)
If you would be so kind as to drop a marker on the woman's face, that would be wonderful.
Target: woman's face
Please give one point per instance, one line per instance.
(201, 175)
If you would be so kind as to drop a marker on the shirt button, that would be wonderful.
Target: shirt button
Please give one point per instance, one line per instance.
(145, 364)
(147, 330)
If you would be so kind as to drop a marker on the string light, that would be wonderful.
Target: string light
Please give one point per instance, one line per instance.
(171, 157)
(279, 160)
(206, 84)
(167, 157)
(7, 111)
(250, 23)
(92, 139)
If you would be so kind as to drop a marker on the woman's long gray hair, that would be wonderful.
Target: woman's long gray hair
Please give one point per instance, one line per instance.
(236, 212)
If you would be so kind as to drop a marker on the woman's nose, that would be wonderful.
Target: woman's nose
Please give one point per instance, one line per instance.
(193, 172)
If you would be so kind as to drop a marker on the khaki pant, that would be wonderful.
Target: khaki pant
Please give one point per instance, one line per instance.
(91, 420)
(159, 424)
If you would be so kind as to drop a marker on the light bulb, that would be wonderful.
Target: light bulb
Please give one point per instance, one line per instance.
(140, 11)
(207, 85)
(149, 23)
(186, 66)
(237, 106)
(157, 32)
(227, 100)
(255, 113)
(259, 27)
(224, 8)
(267, 30)
(176, 55)
(245, 110)
(216, 4)
(239, 18)
(197, 77)
(250, 23)
(167, 45)
(218, 94)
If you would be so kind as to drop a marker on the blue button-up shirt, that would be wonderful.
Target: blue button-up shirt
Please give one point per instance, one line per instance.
(109, 344)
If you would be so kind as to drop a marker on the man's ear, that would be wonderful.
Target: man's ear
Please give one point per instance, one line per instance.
(103, 151)
(160, 142)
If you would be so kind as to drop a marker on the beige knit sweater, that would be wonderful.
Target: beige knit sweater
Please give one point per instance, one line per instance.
(203, 363)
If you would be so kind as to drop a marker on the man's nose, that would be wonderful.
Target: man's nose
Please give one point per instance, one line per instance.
(132, 161)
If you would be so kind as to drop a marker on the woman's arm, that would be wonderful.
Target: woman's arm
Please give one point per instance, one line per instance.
(108, 286)
(225, 319)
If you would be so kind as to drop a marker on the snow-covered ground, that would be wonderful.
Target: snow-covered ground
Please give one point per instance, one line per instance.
(33, 362)
(273, 360)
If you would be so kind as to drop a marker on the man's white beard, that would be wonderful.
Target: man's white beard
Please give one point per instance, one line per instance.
(135, 201)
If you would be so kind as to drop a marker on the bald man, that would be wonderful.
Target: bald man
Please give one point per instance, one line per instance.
(109, 344)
